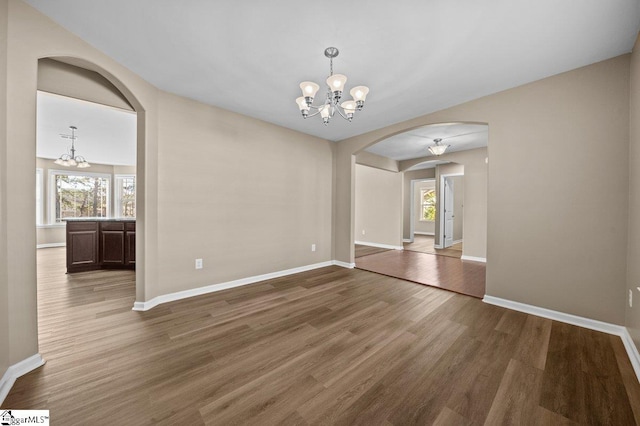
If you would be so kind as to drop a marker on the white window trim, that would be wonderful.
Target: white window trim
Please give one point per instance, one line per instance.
(53, 191)
(40, 207)
(422, 205)
(117, 191)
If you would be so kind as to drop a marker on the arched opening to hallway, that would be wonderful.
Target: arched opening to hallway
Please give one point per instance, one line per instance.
(410, 206)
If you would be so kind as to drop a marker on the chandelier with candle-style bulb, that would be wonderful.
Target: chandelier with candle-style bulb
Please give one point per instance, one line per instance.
(335, 87)
(71, 160)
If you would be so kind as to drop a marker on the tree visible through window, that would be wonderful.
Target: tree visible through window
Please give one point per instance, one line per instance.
(428, 204)
(126, 196)
(80, 196)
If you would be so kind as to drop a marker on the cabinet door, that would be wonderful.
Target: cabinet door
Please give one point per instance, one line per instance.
(82, 246)
(112, 244)
(130, 248)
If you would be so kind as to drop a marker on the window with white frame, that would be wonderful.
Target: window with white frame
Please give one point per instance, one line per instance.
(427, 205)
(78, 194)
(125, 195)
(39, 190)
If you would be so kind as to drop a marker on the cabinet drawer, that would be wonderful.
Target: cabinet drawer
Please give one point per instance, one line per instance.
(82, 226)
(112, 226)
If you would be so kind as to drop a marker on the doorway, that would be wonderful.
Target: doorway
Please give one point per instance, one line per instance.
(106, 134)
(451, 213)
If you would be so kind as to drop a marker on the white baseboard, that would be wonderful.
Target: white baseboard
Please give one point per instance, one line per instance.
(632, 351)
(591, 324)
(16, 370)
(49, 245)
(437, 246)
(385, 246)
(171, 297)
(344, 264)
(407, 240)
(424, 233)
(457, 241)
(474, 258)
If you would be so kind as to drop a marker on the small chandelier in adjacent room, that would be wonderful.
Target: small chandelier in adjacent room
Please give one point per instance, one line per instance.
(73, 159)
(438, 148)
(335, 87)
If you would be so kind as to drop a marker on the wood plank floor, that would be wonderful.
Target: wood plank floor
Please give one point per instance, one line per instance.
(444, 272)
(329, 346)
(361, 250)
(425, 244)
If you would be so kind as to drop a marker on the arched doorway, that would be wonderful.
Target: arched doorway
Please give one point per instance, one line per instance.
(141, 162)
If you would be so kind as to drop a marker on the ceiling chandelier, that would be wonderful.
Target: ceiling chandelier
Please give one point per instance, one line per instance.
(438, 148)
(335, 86)
(73, 159)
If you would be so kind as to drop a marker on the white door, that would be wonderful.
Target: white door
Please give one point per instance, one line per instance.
(448, 212)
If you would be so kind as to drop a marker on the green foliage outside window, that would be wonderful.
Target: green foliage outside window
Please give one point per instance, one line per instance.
(81, 196)
(428, 204)
(127, 196)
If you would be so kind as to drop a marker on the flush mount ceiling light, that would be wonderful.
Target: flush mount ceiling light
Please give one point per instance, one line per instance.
(438, 148)
(335, 86)
(70, 160)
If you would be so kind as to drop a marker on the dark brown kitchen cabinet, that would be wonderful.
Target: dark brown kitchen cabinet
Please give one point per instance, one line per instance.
(100, 243)
(130, 243)
(82, 246)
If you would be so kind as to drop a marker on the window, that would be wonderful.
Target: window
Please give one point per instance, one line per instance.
(78, 195)
(38, 196)
(125, 196)
(428, 204)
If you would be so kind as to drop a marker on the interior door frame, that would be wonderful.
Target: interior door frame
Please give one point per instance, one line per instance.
(440, 212)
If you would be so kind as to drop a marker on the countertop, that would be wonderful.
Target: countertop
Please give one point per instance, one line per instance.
(99, 219)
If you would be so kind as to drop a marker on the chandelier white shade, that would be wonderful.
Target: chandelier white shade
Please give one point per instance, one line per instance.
(335, 87)
(72, 160)
(438, 148)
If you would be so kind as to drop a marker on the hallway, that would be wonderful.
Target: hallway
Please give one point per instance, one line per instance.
(425, 244)
(420, 262)
(448, 273)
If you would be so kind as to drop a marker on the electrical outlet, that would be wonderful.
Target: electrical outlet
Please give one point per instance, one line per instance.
(631, 298)
(198, 263)
(313, 247)
(363, 232)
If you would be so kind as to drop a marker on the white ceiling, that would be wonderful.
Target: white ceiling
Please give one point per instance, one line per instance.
(414, 143)
(106, 135)
(417, 56)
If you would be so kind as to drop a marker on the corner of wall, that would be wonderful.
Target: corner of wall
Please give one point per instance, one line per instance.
(4, 280)
(632, 289)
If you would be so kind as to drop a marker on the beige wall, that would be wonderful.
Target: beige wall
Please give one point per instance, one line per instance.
(5, 353)
(234, 185)
(251, 199)
(422, 226)
(408, 176)
(378, 206)
(545, 141)
(632, 320)
(67, 80)
(379, 162)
